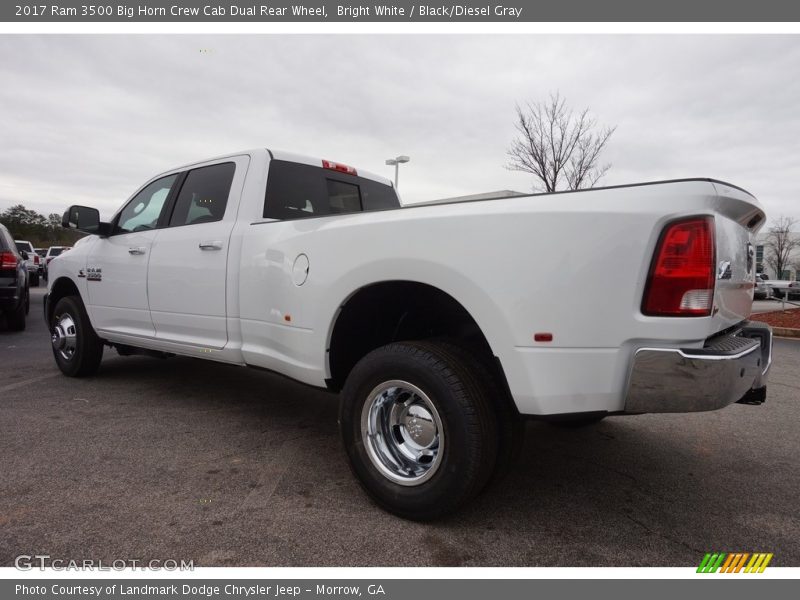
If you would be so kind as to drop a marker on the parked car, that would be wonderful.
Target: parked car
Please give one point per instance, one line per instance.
(429, 320)
(52, 252)
(782, 287)
(14, 292)
(32, 262)
(42, 252)
(761, 291)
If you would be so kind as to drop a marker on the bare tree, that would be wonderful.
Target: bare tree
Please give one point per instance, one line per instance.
(558, 146)
(780, 243)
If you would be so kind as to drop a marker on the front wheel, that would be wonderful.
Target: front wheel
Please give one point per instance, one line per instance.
(76, 347)
(418, 428)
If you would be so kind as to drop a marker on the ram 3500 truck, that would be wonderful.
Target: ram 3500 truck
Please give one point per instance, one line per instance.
(441, 325)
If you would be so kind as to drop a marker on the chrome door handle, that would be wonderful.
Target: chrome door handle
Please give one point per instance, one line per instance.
(137, 250)
(215, 245)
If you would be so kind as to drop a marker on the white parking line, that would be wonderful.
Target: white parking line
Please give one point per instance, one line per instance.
(24, 382)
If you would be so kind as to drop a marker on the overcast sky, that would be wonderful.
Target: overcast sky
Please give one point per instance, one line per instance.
(87, 119)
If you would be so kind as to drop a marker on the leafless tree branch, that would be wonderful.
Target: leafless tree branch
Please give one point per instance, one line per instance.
(780, 244)
(558, 146)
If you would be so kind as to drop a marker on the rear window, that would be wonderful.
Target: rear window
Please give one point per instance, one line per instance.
(297, 191)
(24, 247)
(56, 251)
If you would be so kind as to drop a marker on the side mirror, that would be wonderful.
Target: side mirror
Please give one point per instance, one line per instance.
(85, 219)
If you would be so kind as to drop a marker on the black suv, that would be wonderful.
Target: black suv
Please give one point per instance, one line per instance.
(14, 293)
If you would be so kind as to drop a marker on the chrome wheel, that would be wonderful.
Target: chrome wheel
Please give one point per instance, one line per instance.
(402, 432)
(64, 336)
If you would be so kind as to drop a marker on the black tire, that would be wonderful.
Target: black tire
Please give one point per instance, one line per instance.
(467, 458)
(88, 348)
(16, 318)
(510, 426)
(35, 280)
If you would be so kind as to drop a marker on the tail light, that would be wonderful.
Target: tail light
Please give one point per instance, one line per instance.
(334, 166)
(8, 260)
(36, 259)
(681, 279)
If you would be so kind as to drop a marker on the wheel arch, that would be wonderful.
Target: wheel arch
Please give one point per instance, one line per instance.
(395, 310)
(60, 288)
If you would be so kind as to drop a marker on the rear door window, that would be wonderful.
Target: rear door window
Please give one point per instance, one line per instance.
(297, 191)
(204, 195)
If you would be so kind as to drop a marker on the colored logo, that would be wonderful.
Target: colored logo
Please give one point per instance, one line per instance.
(734, 562)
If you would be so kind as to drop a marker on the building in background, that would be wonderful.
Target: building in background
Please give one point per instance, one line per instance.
(792, 269)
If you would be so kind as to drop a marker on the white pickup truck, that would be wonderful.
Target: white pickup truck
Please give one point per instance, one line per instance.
(441, 325)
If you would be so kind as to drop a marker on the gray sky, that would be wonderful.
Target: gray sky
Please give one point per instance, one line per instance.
(87, 119)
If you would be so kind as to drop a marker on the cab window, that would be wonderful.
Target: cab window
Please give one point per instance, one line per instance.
(298, 191)
(142, 212)
(204, 195)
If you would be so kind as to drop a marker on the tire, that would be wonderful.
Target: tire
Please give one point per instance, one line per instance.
(510, 427)
(16, 318)
(428, 398)
(76, 347)
(35, 280)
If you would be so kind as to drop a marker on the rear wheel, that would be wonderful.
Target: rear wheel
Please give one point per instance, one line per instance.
(76, 347)
(419, 428)
(35, 280)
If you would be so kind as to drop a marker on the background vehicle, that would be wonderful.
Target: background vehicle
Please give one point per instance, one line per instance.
(429, 320)
(32, 262)
(14, 293)
(52, 252)
(762, 290)
(781, 288)
(42, 252)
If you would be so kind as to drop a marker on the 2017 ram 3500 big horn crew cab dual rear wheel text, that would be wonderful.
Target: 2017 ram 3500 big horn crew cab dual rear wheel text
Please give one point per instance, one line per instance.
(431, 320)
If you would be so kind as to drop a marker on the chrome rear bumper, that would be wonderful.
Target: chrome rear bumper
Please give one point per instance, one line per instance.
(729, 368)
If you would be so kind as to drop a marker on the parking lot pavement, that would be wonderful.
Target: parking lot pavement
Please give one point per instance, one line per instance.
(178, 459)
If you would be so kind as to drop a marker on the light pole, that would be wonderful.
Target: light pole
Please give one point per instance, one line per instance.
(396, 162)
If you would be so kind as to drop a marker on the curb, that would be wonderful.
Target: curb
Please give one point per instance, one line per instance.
(790, 332)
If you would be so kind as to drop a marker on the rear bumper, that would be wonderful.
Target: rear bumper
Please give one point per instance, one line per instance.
(728, 369)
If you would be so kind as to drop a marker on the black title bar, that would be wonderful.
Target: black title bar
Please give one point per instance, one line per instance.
(194, 11)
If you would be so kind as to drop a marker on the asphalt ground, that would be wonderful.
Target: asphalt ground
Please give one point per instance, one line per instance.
(227, 466)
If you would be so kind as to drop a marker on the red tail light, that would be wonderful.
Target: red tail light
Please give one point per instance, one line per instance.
(36, 259)
(334, 166)
(8, 260)
(681, 279)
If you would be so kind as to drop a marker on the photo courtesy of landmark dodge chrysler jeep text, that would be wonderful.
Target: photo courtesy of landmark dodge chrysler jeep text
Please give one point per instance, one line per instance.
(441, 325)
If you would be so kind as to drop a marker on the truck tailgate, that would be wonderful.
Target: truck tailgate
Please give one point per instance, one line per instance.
(739, 216)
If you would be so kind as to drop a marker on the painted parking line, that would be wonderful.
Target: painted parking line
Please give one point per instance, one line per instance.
(26, 382)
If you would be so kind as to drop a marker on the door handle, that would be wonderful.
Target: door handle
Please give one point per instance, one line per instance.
(137, 250)
(212, 245)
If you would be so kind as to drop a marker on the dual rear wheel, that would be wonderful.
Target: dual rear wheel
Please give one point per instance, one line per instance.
(423, 427)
